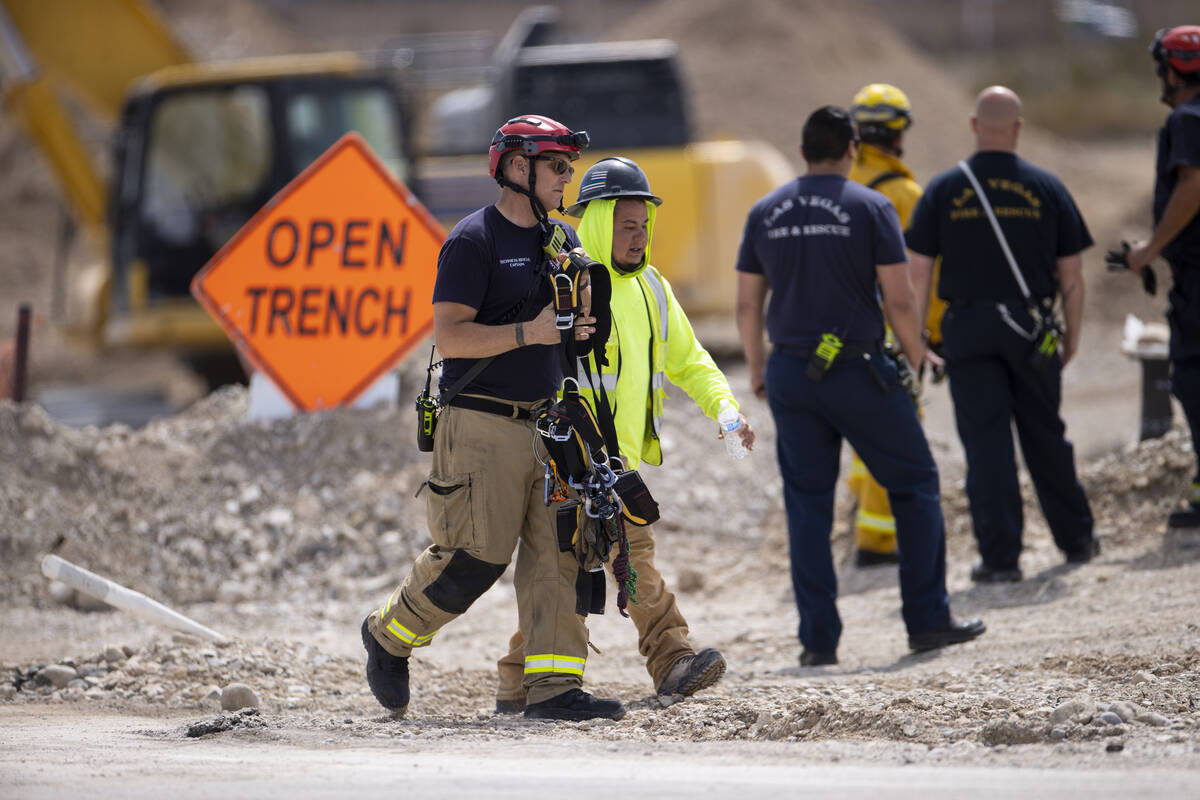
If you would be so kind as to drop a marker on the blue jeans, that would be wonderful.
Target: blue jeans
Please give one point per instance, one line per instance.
(881, 424)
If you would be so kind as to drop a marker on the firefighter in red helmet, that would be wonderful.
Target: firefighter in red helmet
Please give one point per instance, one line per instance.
(494, 324)
(1176, 52)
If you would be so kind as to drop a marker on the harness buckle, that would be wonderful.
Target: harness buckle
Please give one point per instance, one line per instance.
(564, 301)
(554, 426)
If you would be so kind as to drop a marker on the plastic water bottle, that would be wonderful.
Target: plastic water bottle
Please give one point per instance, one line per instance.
(731, 424)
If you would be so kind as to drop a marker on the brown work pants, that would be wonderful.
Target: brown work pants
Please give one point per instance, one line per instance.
(662, 630)
(485, 493)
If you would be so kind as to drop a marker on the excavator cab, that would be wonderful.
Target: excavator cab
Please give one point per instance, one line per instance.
(196, 155)
(198, 148)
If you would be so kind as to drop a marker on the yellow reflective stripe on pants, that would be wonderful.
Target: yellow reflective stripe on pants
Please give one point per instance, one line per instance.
(550, 662)
(875, 522)
(408, 637)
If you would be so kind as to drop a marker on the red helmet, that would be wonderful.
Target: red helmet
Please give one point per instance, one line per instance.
(1179, 47)
(532, 135)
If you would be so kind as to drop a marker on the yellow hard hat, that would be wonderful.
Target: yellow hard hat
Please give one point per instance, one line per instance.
(881, 105)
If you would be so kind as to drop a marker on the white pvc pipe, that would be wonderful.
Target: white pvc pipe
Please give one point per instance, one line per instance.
(118, 596)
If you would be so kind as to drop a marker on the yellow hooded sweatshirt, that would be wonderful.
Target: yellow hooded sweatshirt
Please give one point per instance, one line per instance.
(651, 342)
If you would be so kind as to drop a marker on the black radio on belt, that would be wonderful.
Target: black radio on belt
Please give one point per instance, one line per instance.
(427, 411)
(1046, 344)
(823, 356)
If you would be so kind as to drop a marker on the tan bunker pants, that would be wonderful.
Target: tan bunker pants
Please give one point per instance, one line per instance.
(484, 495)
(662, 630)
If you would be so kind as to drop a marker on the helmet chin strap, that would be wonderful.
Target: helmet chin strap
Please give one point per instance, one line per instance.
(539, 210)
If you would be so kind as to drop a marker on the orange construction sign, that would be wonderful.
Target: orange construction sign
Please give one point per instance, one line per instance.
(330, 285)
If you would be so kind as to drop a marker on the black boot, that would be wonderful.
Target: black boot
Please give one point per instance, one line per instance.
(694, 672)
(1184, 517)
(953, 632)
(575, 704)
(387, 675)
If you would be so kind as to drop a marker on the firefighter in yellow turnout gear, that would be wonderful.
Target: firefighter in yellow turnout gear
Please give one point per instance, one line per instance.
(651, 342)
(882, 114)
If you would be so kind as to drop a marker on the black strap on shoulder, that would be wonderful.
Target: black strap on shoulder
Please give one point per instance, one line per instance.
(884, 177)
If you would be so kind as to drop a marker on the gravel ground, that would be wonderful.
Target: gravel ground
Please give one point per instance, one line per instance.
(282, 534)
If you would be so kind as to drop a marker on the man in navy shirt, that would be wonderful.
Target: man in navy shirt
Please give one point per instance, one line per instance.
(1177, 227)
(991, 332)
(492, 308)
(825, 247)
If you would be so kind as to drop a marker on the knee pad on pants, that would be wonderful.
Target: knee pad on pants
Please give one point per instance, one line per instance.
(462, 582)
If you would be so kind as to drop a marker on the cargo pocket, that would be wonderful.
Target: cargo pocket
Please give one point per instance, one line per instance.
(454, 504)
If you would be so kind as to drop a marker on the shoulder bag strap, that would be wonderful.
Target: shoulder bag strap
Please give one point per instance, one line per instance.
(987, 208)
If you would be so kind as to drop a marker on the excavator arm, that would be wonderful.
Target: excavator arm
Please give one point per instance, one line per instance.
(92, 50)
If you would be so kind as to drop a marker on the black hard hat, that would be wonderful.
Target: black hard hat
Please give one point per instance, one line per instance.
(612, 177)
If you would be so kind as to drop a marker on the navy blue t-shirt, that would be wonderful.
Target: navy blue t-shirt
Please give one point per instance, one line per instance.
(1178, 145)
(488, 263)
(817, 240)
(1034, 209)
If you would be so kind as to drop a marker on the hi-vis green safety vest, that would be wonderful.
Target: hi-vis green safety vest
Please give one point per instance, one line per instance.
(651, 342)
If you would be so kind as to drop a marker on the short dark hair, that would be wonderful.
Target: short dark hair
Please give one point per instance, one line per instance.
(828, 131)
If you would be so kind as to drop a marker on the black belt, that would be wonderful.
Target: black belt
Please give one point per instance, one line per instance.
(849, 349)
(1013, 302)
(497, 407)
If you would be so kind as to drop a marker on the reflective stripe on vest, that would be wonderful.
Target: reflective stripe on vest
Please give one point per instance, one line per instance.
(660, 297)
(658, 378)
(550, 662)
(607, 379)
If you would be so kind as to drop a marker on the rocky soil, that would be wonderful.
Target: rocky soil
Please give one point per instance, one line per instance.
(282, 534)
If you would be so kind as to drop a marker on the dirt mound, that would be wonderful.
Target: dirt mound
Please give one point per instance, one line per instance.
(206, 505)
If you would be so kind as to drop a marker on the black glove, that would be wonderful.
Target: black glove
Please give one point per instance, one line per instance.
(1117, 260)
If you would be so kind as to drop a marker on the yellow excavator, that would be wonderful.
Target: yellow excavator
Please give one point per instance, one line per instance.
(197, 148)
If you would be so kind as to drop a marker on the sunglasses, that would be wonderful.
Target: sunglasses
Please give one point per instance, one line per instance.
(560, 166)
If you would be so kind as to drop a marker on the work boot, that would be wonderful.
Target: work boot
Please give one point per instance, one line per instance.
(1084, 554)
(510, 706)
(982, 573)
(953, 632)
(692, 673)
(874, 558)
(387, 675)
(1184, 517)
(818, 658)
(575, 705)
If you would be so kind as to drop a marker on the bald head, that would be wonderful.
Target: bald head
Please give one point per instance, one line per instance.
(997, 119)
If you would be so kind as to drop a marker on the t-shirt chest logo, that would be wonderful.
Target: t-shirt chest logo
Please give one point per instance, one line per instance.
(1025, 204)
(517, 262)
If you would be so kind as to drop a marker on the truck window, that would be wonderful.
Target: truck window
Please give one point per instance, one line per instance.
(207, 170)
(621, 103)
(318, 118)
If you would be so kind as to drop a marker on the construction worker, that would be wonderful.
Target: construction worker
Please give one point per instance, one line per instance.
(1177, 228)
(1010, 237)
(882, 115)
(825, 248)
(651, 339)
(494, 324)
